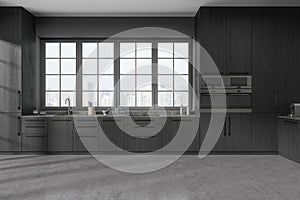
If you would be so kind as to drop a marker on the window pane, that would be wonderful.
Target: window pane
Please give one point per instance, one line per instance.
(89, 97)
(106, 82)
(52, 66)
(181, 98)
(181, 50)
(89, 66)
(165, 66)
(127, 99)
(52, 82)
(127, 82)
(165, 99)
(106, 99)
(106, 50)
(68, 50)
(165, 50)
(181, 82)
(89, 82)
(68, 82)
(165, 82)
(144, 82)
(144, 66)
(52, 50)
(71, 96)
(52, 99)
(144, 99)
(89, 50)
(181, 66)
(127, 50)
(144, 50)
(106, 66)
(68, 66)
(127, 66)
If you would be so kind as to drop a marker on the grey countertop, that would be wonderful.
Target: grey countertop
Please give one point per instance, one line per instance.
(104, 116)
(289, 118)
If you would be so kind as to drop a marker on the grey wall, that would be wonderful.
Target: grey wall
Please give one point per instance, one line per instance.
(84, 27)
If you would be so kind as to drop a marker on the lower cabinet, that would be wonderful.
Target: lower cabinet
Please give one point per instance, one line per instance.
(111, 135)
(60, 137)
(10, 138)
(188, 135)
(141, 136)
(289, 139)
(85, 134)
(264, 133)
(34, 134)
(235, 136)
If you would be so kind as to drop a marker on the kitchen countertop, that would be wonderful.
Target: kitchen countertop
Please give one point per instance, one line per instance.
(106, 116)
(289, 118)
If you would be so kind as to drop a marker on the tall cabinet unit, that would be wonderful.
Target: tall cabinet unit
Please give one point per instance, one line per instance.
(17, 70)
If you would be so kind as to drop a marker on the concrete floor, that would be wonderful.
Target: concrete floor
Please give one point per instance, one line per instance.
(217, 177)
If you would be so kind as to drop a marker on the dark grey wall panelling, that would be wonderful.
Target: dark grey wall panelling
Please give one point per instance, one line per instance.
(97, 27)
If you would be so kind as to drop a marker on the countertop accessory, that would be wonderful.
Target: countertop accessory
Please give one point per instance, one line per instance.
(90, 108)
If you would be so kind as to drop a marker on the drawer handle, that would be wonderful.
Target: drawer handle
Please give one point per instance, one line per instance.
(290, 122)
(36, 126)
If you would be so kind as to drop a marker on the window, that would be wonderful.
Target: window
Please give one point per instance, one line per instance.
(135, 74)
(173, 74)
(98, 74)
(60, 73)
(125, 73)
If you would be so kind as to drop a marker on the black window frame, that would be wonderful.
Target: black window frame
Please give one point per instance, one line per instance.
(116, 41)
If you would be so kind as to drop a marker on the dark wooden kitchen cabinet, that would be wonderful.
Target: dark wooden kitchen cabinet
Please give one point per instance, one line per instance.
(17, 71)
(264, 132)
(10, 129)
(60, 134)
(238, 41)
(205, 119)
(111, 135)
(225, 33)
(289, 139)
(140, 136)
(183, 127)
(85, 134)
(235, 135)
(239, 132)
(34, 134)
(17, 55)
(212, 34)
(266, 60)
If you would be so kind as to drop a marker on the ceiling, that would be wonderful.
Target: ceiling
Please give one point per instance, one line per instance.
(117, 8)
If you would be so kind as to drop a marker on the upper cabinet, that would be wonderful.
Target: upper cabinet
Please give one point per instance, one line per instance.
(225, 33)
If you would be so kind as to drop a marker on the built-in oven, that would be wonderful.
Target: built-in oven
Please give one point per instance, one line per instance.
(238, 90)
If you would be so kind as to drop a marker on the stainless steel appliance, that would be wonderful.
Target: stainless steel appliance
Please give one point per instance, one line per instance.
(238, 90)
(295, 109)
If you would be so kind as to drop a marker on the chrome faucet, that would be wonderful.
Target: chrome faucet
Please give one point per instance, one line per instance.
(69, 103)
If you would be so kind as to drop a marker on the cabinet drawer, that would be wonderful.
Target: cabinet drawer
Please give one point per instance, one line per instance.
(34, 142)
(32, 129)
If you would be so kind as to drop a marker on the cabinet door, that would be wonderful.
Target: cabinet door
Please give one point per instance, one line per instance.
(238, 41)
(111, 131)
(85, 134)
(213, 34)
(10, 139)
(12, 77)
(143, 137)
(266, 55)
(204, 125)
(264, 133)
(239, 132)
(60, 134)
